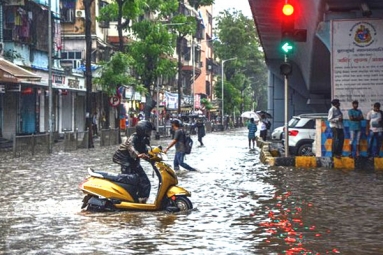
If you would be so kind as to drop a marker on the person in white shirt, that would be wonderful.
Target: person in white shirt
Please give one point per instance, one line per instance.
(374, 130)
(335, 117)
(263, 127)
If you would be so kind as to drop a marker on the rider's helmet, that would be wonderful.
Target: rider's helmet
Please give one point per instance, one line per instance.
(144, 128)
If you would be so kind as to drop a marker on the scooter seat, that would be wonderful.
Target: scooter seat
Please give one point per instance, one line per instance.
(131, 179)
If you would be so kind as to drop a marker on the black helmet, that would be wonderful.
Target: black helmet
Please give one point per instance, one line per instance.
(144, 128)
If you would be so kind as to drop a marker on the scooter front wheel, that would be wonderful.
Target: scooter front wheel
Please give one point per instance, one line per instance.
(183, 203)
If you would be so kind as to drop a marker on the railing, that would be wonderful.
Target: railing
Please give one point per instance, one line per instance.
(30, 144)
(75, 140)
(109, 137)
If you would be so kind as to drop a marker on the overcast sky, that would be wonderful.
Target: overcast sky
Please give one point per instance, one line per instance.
(242, 5)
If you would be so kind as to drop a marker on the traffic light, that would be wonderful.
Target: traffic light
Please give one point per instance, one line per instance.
(287, 46)
(288, 21)
(288, 30)
(286, 68)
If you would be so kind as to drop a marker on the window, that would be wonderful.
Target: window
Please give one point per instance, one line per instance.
(67, 11)
(74, 56)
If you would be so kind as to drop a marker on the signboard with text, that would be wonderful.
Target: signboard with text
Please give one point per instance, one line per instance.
(357, 62)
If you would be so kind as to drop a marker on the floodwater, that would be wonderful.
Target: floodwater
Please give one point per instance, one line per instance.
(240, 207)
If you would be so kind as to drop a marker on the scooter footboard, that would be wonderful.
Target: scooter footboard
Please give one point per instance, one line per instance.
(177, 191)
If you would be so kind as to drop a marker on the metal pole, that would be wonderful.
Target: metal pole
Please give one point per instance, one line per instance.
(50, 121)
(223, 75)
(192, 89)
(157, 114)
(286, 113)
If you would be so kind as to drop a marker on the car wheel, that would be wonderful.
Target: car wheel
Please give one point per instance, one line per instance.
(305, 150)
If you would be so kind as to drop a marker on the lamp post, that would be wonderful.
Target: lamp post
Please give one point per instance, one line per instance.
(50, 102)
(222, 78)
(157, 136)
(193, 64)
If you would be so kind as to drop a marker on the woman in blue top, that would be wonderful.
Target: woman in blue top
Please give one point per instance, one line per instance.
(252, 127)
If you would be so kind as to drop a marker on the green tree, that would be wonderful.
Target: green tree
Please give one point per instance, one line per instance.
(114, 72)
(151, 54)
(246, 77)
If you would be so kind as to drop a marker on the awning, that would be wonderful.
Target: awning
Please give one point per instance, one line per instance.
(10, 72)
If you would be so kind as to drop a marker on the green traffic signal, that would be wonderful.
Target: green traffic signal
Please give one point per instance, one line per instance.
(287, 47)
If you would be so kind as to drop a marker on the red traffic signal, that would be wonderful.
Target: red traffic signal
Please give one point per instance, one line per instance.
(288, 10)
(288, 30)
(287, 20)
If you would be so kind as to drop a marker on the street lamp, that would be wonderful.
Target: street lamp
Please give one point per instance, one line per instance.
(157, 136)
(222, 78)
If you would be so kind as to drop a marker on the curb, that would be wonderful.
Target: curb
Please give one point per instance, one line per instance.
(359, 163)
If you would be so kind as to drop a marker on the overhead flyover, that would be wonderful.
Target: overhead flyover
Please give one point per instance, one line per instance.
(310, 82)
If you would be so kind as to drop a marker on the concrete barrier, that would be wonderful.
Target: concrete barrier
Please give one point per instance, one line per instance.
(310, 162)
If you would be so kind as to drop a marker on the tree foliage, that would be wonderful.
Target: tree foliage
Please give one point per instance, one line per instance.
(114, 73)
(152, 53)
(245, 77)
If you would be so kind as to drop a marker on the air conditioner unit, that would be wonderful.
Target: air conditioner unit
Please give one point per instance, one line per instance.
(77, 63)
(80, 13)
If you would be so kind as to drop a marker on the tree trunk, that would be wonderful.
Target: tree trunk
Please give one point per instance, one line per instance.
(179, 82)
(88, 71)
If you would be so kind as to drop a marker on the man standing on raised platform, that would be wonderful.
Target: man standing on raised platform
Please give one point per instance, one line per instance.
(356, 116)
(335, 117)
(374, 130)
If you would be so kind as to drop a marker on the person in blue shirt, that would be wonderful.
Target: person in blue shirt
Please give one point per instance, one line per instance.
(252, 127)
(356, 116)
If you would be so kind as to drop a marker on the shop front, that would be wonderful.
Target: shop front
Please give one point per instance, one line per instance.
(18, 100)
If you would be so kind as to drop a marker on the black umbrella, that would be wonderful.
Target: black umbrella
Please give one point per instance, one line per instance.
(268, 115)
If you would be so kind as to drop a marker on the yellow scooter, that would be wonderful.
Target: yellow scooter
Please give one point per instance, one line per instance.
(113, 192)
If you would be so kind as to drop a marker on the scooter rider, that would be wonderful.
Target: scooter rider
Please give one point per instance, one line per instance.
(129, 153)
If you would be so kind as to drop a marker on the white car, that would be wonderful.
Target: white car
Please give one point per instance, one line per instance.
(277, 133)
(302, 133)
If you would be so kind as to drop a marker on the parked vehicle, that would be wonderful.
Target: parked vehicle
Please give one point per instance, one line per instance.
(277, 133)
(302, 133)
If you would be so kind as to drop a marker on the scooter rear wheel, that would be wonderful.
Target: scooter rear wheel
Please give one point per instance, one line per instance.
(183, 203)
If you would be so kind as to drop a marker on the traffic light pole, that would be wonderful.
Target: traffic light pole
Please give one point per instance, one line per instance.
(286, 112)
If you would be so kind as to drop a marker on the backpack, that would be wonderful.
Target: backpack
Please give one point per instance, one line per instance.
(188, 143)
(381, 118)
(268, 124)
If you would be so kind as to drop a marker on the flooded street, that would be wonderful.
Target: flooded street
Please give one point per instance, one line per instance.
(240, 207)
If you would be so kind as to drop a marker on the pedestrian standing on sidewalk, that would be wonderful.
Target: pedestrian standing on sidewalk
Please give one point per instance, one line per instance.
(356, 116)
(374, 130)
(335, 117)
(263, 127)
(252, 127)
(179, 142)
(95, 123)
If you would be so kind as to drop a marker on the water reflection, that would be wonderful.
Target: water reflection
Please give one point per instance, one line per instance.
(241, 207)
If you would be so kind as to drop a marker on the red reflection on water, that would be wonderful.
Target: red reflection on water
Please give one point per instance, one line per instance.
(284, 222)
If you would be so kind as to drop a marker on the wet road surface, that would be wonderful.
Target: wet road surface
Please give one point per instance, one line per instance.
(241, 207)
